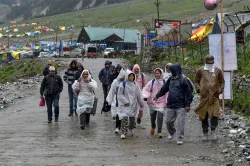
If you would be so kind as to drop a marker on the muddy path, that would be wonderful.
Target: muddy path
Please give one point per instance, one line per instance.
(27, 140)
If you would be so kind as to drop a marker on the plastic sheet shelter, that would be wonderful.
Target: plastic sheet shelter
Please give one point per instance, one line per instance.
(16, 55)
(202, 32)
(167, 34)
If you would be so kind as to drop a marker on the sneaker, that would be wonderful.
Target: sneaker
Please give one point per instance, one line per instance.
(213, 136)
(205, 137)
(117, 130)
(70, 114)
(170, 137)
(152, 131)
(139, 121)
(56, 120)
(179, 142)
(160, 135)
(123, 136)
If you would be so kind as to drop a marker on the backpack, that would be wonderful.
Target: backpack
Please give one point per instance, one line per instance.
(153, 81)
(124, 85)
(142, 77)
(183, 78)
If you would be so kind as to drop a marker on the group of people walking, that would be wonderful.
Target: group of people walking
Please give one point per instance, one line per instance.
(126, 92)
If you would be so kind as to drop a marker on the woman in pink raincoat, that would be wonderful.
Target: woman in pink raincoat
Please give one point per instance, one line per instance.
(157, 107)
(141, 80)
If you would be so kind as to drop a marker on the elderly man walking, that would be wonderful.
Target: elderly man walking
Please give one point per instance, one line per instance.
(209, 83)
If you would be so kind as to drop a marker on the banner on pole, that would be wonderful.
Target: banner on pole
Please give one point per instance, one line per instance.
(230, 53)
(228, 89)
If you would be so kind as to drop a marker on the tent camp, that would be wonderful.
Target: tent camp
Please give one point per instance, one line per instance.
(167, 36)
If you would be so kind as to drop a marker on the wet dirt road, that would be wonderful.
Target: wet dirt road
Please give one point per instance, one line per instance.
(26, 138)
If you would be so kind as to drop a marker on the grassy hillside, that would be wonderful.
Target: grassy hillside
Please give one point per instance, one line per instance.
(125, 16)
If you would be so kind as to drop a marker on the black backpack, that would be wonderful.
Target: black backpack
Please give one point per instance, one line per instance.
(183, 78)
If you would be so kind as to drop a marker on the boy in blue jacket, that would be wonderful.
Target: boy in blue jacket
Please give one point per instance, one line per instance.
(179, 99)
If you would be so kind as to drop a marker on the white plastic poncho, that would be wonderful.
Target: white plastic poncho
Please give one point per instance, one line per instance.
(130, 95)
(111, 98)
(86, 95)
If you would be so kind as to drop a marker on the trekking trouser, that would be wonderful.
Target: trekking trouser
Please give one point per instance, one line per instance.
(84, 119)
(172, 115)
(118, 122)
(50, 101)
(127, 123)
(72, 100)
(205, 124)
(159, 116)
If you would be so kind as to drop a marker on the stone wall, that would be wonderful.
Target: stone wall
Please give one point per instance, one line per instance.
(242, 83)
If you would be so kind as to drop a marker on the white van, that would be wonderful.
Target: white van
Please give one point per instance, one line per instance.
(108, 50)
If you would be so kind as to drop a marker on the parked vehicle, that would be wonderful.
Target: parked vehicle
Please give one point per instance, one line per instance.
(107, 51)
(48, 54)
(91, 52)
(28, 54)
(75, 53)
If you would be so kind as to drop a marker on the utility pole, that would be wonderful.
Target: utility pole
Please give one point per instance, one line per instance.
(222, 50)
(157, 4)
(9, 41)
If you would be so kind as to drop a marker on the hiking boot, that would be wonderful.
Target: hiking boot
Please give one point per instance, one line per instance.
(117, 130)
(152, 131)
(70, 114)
(180, 142)
(160, 135)
(139, 121)
(170, 137)
(213, 136)
(205, 137)
(123, 136)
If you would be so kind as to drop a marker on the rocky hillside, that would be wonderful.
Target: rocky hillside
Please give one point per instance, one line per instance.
(25, 9)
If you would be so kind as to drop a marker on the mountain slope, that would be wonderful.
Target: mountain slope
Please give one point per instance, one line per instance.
(25, 9)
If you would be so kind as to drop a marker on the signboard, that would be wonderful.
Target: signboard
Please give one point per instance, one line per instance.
(172, 23)
(230, 54)
(185, 32)
(228, 90)
(150, 35)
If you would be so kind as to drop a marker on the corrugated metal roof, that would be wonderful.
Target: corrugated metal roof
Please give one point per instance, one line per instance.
(98, 33)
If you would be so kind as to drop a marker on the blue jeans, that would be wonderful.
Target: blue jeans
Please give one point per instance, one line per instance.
(72, 100)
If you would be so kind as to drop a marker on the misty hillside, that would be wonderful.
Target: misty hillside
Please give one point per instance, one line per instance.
(25, 9)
